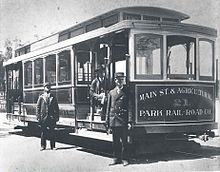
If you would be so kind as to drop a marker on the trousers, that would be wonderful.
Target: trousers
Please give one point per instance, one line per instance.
(47, 132)
(120, 144)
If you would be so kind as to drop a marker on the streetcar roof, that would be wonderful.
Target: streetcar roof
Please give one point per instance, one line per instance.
(155, 11)
(161, 13)
(55, 44)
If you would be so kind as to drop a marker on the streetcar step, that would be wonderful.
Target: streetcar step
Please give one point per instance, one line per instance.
(93, 135)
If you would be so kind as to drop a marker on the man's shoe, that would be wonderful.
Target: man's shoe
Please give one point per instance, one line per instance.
(53, 148)
(115, 162)
(125, 163)
(43, 148)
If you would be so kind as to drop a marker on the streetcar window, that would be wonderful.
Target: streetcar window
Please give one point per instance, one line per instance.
(180, 57)
(64, 36)
(108, 21)
(151, 18)
(13, 79)
(170, 20)
(84, 67)
(50, 71)
(93, 26)
(16, 79)
(64, 95)
(9, 79)
(148, 56)
(76, 32)
(64, 67)
(38, 72)
(128, 16)
(28, 74)
(31, 96)
(206, 59)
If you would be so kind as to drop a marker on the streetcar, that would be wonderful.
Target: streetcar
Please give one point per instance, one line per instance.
(170, 68)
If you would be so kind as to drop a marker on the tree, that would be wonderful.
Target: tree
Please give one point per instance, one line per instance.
(8, 50)
(9, 47)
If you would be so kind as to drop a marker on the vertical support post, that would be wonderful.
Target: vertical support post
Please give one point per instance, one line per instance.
(72, 64)
(32, 63)
(6, 91)
(197, 60)
(73, 78)
(217, 81)
(164, 60)
(19, 108)
(57, 67)
(44, 70)
(127, 68)
(91, 107)
(23, 78)
(187, 58)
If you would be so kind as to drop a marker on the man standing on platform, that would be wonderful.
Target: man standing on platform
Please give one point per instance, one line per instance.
(97, 92)
(47, 115)
(117, 119)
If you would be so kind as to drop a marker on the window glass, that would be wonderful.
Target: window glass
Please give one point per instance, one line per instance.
(148, 55)
(50, 71)
(128, 16)
(76, 32)
(13, 79)
(28, 74)
(64, 67)
(16, 79)
(10, 83)
(38, 72)
(31, 96)
(64, 95)
(84, 67)
(206, 58)
(151, 18)
(108, 21)
(63, 37)
(180, 57)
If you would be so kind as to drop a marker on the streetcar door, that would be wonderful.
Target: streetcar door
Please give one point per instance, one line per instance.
(119, 54)
(14, 88)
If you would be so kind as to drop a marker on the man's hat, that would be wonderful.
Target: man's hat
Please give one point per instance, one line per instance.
(47, 84)
(119, 75)
(99, 69)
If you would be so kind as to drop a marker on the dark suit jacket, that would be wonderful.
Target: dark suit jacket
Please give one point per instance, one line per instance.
(117, 108)
(47, 111)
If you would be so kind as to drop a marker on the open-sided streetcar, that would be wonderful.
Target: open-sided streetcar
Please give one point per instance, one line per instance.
(170, 69)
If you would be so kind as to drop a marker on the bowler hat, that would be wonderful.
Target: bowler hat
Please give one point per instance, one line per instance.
(119, 75)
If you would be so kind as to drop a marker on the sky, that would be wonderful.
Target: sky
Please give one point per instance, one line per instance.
(28, 19)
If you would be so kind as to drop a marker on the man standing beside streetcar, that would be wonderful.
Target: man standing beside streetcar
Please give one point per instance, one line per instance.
(47, 115)
(117, 119)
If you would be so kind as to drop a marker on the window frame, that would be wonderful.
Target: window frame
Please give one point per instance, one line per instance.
(70, 73)
(207, 78)
(25, 74)
(152, 76)
(40, 84)
(46, 79)
(91, 63)
(182, 76)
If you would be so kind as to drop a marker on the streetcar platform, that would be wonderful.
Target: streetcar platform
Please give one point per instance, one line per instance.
(92, 140)
(90, 134)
